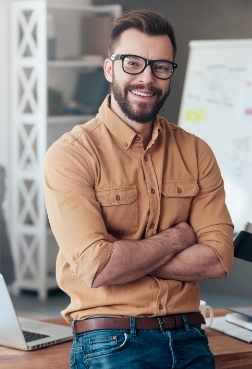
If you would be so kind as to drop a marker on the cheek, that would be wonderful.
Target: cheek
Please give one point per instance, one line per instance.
(166, 89)
(121, 78)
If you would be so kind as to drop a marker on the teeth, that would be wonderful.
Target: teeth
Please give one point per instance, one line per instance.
(140, 93)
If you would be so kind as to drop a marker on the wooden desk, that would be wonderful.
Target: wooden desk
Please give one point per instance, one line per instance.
(230, 353)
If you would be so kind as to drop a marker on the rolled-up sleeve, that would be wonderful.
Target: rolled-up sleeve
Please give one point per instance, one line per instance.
(73, 211)
(209, 215)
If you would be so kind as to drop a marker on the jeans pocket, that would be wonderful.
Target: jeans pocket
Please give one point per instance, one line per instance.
(200, 331)
(103, 342)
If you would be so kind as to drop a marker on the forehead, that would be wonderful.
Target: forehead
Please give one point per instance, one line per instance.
(135, 42)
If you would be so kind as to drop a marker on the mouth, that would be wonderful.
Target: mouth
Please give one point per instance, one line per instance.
(142, 94)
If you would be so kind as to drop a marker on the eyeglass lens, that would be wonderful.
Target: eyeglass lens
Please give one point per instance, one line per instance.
(135, 64)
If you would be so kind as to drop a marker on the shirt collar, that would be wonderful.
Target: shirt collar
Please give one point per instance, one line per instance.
(120, 130)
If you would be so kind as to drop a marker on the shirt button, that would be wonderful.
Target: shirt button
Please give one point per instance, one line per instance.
(145, 158)
(160, 307)
(152, 191)
(126, 144)
(152, 225)
(179, 190)
(137, 138)
(118, 197)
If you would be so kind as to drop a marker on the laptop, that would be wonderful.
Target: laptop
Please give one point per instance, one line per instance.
(26, 334)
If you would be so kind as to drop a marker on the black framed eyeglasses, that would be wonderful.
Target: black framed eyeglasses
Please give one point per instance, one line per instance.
(134, 64)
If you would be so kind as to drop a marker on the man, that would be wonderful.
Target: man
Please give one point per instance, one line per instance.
(137, 206)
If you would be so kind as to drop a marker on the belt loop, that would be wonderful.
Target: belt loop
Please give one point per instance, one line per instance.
(187, 326)
(133, 326)
(161, 323)
(72, 324)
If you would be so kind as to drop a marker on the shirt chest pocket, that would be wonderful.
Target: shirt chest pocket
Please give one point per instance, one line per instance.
(176, 201)
(119, 209)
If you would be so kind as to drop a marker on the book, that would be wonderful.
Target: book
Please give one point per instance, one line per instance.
(246, 310)
(222, 325)
(240, 320)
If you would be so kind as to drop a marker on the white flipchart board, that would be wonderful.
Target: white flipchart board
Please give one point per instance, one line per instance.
(217, 106)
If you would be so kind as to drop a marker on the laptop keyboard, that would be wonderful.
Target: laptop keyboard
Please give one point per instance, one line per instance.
(31, 336)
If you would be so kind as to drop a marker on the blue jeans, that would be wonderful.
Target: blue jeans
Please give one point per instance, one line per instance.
(180, 348)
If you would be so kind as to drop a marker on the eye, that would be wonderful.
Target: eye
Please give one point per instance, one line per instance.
(162, 67)
(133, 62)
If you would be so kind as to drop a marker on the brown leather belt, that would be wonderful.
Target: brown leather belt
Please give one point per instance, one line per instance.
(163, 322)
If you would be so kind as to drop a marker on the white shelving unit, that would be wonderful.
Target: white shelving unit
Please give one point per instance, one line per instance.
(33, 245)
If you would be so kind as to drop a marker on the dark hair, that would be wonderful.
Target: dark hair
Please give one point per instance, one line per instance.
(143, 20)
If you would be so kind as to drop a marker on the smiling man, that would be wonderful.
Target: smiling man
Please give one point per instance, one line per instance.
(140, 84)
(137, 206)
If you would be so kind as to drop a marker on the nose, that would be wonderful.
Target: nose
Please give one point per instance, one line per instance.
(146, 76)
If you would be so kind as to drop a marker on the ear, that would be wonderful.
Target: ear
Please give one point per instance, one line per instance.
(107, 67)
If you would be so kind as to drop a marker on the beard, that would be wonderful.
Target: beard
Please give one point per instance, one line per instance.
(144, 112)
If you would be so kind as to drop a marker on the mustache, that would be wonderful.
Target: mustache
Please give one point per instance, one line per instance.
(149, 88)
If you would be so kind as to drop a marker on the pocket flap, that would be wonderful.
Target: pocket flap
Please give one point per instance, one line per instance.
(116, 195)
(180, 189)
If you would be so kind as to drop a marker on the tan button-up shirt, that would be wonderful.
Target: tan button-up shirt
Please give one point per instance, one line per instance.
(99, 179)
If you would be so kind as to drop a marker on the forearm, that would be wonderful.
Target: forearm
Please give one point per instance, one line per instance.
(133, 259)
(197, 262)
